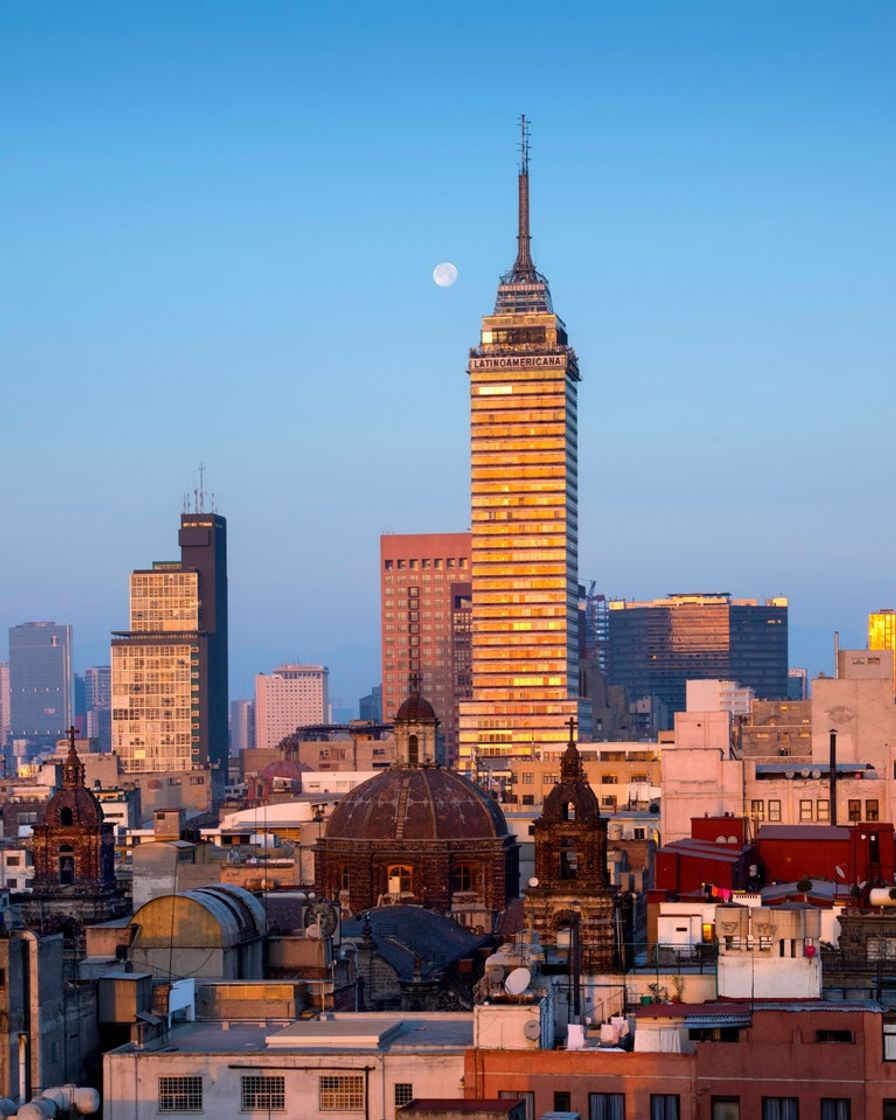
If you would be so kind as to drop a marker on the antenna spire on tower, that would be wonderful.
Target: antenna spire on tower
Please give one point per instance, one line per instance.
(523, 268)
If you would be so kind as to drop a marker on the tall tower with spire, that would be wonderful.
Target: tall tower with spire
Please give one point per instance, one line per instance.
(523, 383)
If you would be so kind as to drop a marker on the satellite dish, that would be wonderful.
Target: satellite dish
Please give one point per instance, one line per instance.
(840, 871)
(320, 919)
(517, 982)
(532, 1030)
(816, 774)
(805, 772)
(533, 882)
(790, 773)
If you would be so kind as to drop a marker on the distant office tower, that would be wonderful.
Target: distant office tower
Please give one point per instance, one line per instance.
(797, 684)
(290, 697)
(417, 573)
(882, 629)
(370, 707)
(40, 682)
(98, 705)
(242, 725)
(169, 671)
(4, 703)
(523, 392)
(656, 646)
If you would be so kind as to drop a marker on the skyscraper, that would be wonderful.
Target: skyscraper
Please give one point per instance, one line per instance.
(4, 703)
(292, 696)
(417, 574)
(98, 705)
(656, 646)
(523, 386)
(40, 682)
(242, 725)
(169, 670)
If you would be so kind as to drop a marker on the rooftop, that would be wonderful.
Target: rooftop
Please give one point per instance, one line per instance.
(393, 1031)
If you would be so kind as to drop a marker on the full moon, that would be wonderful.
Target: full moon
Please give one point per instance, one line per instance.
(444, 274)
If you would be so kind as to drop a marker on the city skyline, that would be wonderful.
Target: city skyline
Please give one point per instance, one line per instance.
(711, 200)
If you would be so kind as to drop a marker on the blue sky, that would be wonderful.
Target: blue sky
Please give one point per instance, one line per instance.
(218, 223)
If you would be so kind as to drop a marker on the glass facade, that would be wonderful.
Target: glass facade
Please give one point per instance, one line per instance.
(882, 630)
(655, 647)
(40, 682)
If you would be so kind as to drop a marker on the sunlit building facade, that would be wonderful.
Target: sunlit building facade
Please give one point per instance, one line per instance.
(523, 395)
(882, 630)
(292, 696)
(169, 669)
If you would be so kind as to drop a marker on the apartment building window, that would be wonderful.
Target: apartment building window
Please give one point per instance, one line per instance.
(780, 1108)
(606, 1106)
(757, 810)
(726, 1108)
(263, 1094)
(341, 1093)
(774, 810)
(872, 810)
(854, 810)
(889, 1112)
(664, 1106)
(835, 1108)
(528, 778)
(822, 810)
(890, 1040)
(562, 1101)
(180, 1094)
(404, 1094)
(834, 1036)
(805, 810)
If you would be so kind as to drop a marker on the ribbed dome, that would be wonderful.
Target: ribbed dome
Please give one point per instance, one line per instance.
(83, 808)
(416, 803)
(415, 709)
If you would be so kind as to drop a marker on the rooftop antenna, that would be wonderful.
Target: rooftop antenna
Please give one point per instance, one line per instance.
(523, 268)
(201, 498)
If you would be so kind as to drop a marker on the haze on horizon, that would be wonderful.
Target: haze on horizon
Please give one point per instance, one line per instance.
(219, 225)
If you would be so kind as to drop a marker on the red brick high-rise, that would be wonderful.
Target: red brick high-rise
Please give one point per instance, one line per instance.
(420, 574)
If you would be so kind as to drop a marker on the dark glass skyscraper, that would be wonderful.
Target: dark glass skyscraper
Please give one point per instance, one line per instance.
(656, 646)
(40, 682)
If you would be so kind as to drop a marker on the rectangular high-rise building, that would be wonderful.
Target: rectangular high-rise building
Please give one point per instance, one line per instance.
(417, 574)
(882, 629)
(4, 703)
(292, 696)
(656, 646)
(40, 682)
(98, 705)
(169, 670)
(523, 396)
(242, 725)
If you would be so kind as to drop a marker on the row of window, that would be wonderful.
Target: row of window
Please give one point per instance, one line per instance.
(267, 1093)
(412, 565)
(821, 809)
(667, 1106)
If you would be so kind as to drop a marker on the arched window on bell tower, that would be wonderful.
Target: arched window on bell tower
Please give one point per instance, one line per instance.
(66, 816)
(413, 751)
(569, 859)
(66, 865)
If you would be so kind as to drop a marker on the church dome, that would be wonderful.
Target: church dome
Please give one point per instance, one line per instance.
(415, 709)
(416, 803)
(73, 805)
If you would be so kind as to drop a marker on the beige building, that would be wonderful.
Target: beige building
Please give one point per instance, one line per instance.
(704, 773)
(155, 683)
(292, 696)
(624, 776)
